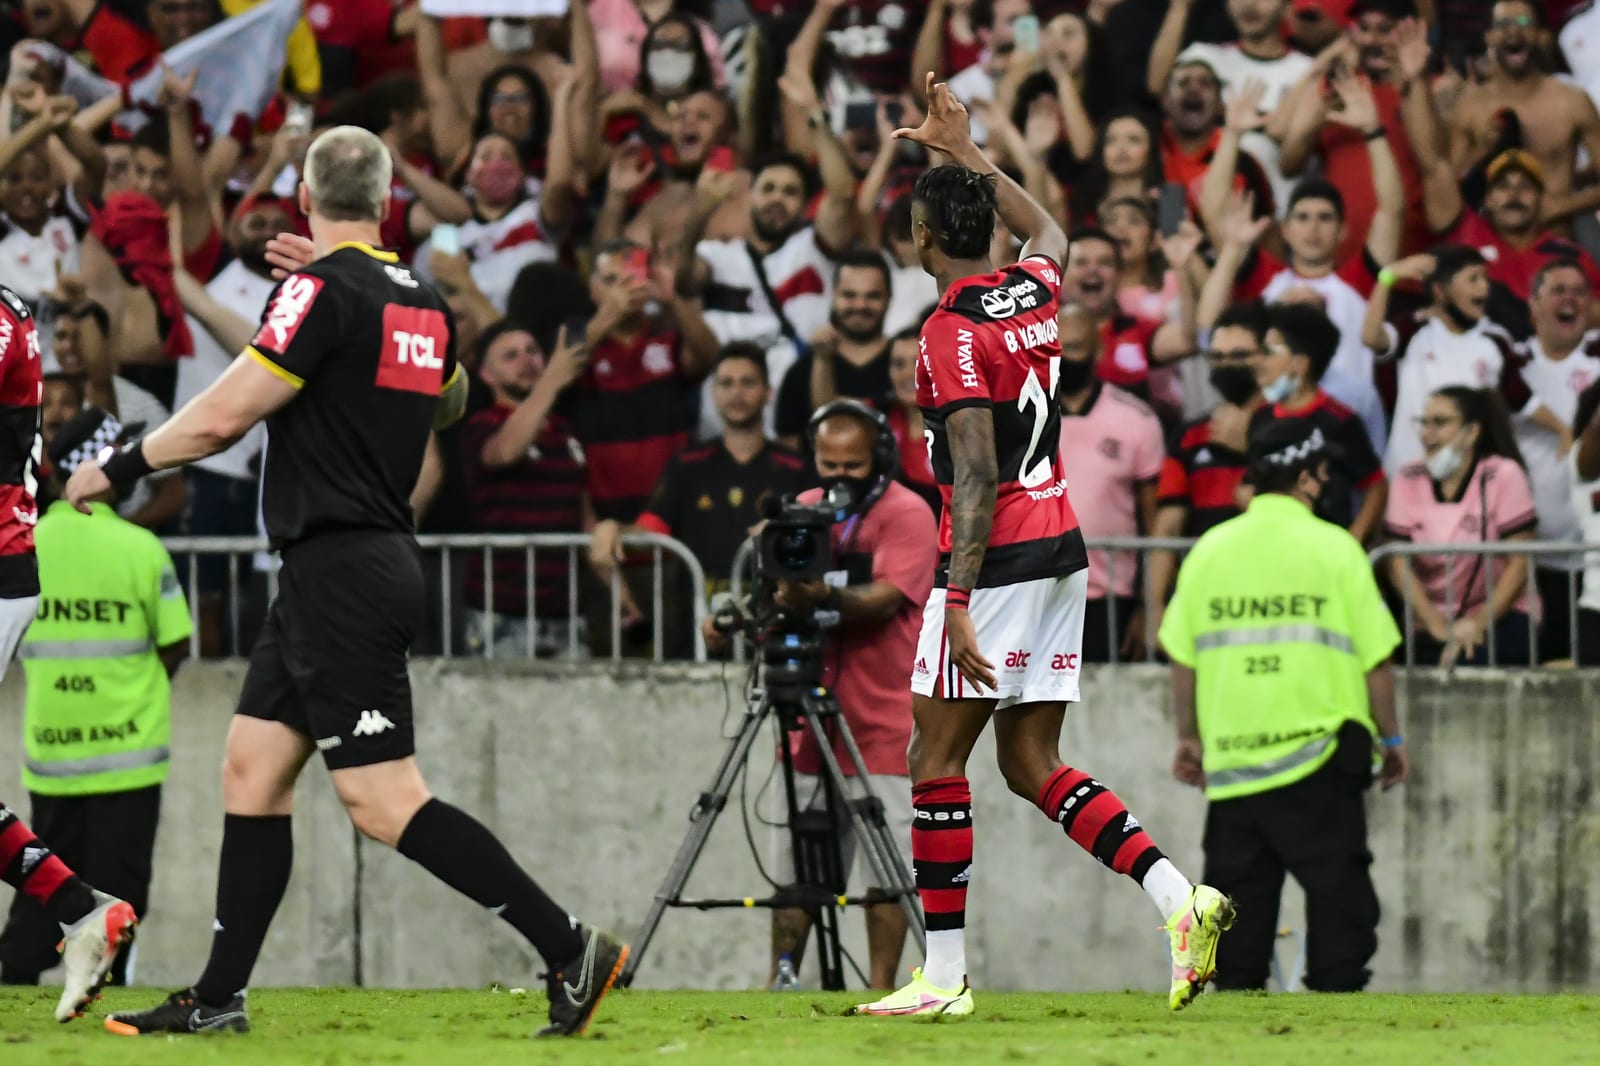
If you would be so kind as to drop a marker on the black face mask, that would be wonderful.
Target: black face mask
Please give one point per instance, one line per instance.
(1075, 376)
(1235, 383)
(847, 495)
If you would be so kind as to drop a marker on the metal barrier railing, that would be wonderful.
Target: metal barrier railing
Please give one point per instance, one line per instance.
(450, 548)
(1143, 547)
(1483, 551)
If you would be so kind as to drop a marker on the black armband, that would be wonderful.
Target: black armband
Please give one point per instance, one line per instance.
(1376, 133)
(126, 464)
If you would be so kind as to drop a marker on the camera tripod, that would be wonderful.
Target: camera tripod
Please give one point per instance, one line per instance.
(819, 869)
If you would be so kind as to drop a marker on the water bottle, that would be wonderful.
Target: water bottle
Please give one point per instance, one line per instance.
(787, 980)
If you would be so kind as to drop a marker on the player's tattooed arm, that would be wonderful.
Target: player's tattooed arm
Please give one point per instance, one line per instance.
(970, 434)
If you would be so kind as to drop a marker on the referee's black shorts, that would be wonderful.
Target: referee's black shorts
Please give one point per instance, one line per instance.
(331, 658)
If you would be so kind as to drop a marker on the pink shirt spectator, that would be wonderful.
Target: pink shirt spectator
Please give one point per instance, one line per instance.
(1108, 451)
(619, 31)
(1147, 304)
(1496, 503)
(871, 678)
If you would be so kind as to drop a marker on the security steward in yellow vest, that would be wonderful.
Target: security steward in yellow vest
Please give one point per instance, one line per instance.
(1280, 646)
(110, 629)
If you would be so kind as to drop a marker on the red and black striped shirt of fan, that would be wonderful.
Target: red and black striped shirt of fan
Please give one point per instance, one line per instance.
(994, 342)
(21, 393)
(632, 411)
(543, 492)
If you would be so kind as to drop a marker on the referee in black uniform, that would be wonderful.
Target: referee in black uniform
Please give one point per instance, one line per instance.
(351, 368)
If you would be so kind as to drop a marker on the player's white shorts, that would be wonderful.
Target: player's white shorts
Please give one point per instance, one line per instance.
(15, 618)
(1032, 632)
(893, 790)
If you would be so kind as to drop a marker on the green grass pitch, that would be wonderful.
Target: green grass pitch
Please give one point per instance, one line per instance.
(363, 1027)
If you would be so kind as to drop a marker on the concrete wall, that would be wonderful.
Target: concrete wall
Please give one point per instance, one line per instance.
(1488, 863)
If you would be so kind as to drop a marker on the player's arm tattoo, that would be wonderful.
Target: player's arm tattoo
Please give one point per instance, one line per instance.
(969, 432)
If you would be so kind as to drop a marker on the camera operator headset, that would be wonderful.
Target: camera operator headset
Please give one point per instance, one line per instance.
(885, 548)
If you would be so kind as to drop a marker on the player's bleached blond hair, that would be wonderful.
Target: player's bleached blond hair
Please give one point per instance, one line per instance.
(347, 173)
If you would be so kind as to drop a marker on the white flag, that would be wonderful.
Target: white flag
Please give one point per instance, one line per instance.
(529, 9)
(240, 61)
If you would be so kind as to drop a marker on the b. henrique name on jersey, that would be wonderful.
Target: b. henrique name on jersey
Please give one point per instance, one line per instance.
(369, 347)
(994, 342)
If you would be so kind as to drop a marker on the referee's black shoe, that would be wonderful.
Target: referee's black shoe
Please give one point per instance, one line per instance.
(577, 988)
(182, 1012)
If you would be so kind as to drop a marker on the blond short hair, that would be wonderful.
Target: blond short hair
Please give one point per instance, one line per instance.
(348, 173)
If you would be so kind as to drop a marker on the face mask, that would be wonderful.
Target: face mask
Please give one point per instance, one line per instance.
(846, 494)
(1280, 390)
(509, 35)
(1236, 384)
(1444, 462)
(669, 69)
(497, 181)
(1075, 375)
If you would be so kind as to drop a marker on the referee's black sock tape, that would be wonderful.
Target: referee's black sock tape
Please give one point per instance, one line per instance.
(460, 851)
(252, 875)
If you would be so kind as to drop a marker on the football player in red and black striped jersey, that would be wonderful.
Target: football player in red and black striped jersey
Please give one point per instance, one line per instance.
(1003, 627)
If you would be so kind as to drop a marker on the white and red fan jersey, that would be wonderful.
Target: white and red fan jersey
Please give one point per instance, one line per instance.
(21, 393)
(993, 342)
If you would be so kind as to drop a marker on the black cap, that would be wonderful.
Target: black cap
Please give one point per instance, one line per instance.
(1288, 444)
(85, 436)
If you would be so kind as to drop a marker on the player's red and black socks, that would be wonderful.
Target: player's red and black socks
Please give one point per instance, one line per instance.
(460, 851)
(1098, 822)
(28, 865)
(252, 876)
(941, 852)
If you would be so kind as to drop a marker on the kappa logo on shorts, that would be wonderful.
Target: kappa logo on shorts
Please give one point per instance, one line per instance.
(371, 724)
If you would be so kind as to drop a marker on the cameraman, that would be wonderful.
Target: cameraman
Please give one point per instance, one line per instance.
(885, 547)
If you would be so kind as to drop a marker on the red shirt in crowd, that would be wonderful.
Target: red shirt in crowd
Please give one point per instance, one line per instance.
(366, 29)
(1515, 267)
(632, 411)
(540, 493)
(1189, 170)
(114, 45)
(895, 541)
(1347, 164)
(1125, 350)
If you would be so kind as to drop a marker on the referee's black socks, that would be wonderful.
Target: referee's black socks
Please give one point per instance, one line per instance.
(460, 851)
(252, 876)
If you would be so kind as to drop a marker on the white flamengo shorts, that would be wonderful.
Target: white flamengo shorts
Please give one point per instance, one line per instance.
(15, 618)
(1032, 632)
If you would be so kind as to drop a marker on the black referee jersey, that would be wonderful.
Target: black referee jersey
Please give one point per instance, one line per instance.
(369, 346)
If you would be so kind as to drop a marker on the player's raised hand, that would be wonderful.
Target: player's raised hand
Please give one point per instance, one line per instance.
(289, 252)
(963, 638)
(948, 128)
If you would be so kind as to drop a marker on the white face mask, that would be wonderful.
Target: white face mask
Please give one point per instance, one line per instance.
(1280, 390)
(1444, 462)
(669, 69)
(510, 35)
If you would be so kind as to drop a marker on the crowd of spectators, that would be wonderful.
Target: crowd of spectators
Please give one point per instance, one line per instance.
(669, 229)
